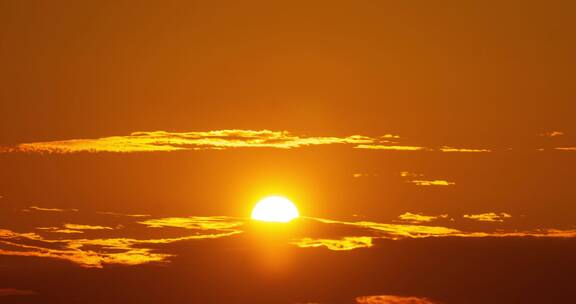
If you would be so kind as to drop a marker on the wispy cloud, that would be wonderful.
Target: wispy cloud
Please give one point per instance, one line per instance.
(59, 230)
(122, 214)
(537, 233)
(418, 180)
(390, 147)
(464, 150)
(419, 148)
(195, 222)
(410, 174)
(391, 299)
(397, 231)
(107, 245)
(93, 253)
(551, 134)
(488, 217)
(164, 141)
(420, 218)
(435, 182)
(74, 228)
(415, 231)
(109, 251)
(86, 227)
(175, 141)
(158, 141)
(96, 252)
(358, 175)
(35, 208)
(345, 243)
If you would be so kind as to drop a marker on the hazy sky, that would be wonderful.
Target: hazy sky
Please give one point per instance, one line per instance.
(430, 148)
(451, 70)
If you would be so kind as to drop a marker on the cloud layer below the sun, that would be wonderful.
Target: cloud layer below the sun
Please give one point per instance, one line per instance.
(137, 240)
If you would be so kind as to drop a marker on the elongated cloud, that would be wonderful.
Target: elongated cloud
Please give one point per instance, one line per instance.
(434, 182)
(97, 252)
(418, 148)
(465, 150)
(173, 141)
(390, 148)
(415, 231)
(390, 299)
(420, 218)
(358, 175)
(551, 134)
(122, 214)
(111, 251)
(346, 243)
(86, 227)
(419, 180)
(159, 141)
(74, 228)
(119, 246)
(488, 217)
(59, 230)
(195, 222)
(397, 231)
(35, 208)
(538, 233)
(93, 253)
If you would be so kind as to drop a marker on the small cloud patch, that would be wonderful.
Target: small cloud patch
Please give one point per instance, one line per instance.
(36, 208)
(488, 217)
(419, 180)
(435, 182)
(346, 243)
(420, 218)
(391, 299)
(552, 134)
(464, 150)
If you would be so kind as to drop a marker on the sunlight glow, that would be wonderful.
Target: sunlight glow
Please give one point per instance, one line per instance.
(275, 209)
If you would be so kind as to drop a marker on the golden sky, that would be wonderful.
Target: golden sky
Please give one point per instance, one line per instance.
(430, 148)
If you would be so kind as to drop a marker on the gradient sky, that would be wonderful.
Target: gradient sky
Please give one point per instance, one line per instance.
(430, 147)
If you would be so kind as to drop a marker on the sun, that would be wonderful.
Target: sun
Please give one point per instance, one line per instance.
(275, 209)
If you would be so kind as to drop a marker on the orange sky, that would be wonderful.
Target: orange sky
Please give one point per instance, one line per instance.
(428, 145)
(455, 71)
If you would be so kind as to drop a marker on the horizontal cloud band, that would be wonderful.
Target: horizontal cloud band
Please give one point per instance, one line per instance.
(158, 141)
(93, 245)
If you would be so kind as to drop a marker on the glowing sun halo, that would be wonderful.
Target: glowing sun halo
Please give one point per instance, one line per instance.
(275, 209)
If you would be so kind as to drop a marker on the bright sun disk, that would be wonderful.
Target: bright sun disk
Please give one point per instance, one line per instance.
(275, 209)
